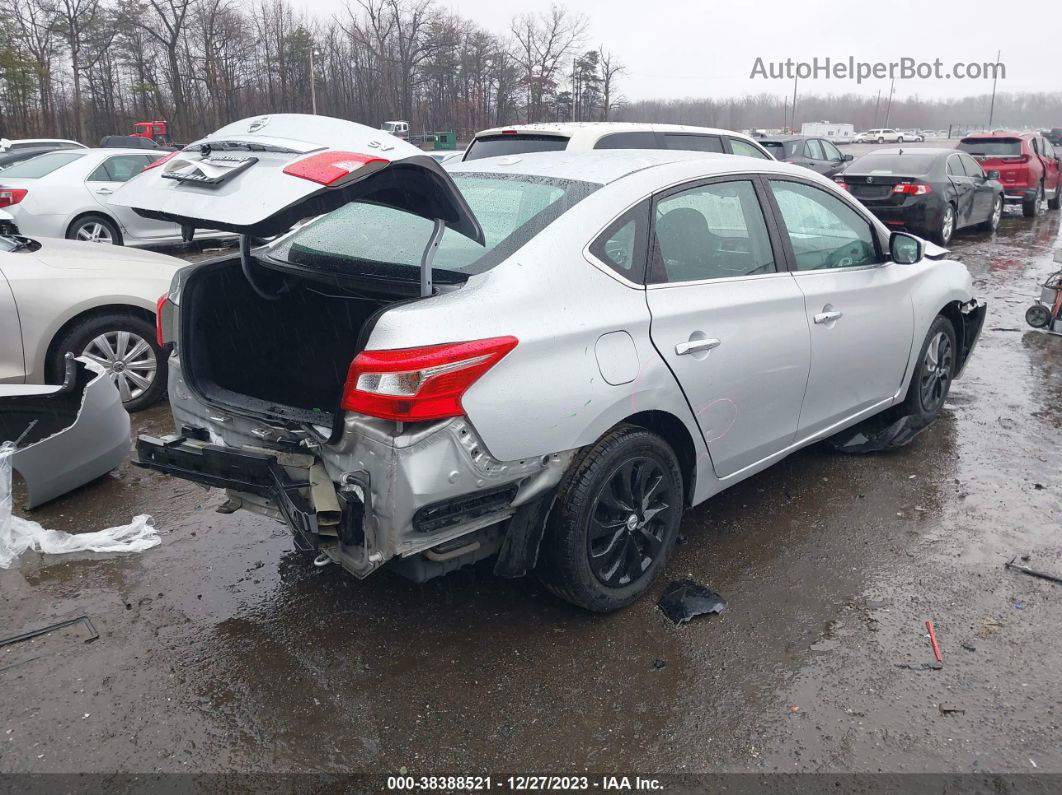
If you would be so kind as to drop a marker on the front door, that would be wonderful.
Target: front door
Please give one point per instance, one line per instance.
(984, 195)
(858, 308)
(728, 320)
(12, 359)
(965, 191)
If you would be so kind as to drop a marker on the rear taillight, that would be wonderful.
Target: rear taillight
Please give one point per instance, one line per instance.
(161, 306)
(840, 181)
(410, 384)
(160, 161)
(9, 196)
(912, 189)
(331, 168)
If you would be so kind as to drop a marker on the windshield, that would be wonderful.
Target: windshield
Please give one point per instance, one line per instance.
(511, 208)
(902, 165)
(42, 165)
(499, 145)
(992, 147)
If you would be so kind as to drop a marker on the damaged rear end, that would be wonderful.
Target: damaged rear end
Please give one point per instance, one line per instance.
(277, 396)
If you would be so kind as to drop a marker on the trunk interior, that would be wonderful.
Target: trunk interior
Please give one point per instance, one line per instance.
(286, 358)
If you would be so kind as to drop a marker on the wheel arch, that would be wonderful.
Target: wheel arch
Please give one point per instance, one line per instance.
(99, 213)
(673, 431)
(87, 314)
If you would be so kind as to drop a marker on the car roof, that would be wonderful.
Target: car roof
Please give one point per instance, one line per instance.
(1000, 134)
(920, 150)
(601, 128)
(609, 165)
(782, 138)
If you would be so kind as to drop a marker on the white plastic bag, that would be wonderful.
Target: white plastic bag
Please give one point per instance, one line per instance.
(17, 535)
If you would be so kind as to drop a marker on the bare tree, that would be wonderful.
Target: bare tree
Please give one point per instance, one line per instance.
(544, 42)
(611, 68)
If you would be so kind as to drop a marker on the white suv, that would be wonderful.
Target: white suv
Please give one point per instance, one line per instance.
(879, 136)
(586, 136)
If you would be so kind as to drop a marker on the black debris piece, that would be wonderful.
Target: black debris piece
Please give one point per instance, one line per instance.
(969, 647)
(685, 599)
(1043, 575)
(36, 633)
(948, 709)
(658, 664)
(933, 666)
(884, 431)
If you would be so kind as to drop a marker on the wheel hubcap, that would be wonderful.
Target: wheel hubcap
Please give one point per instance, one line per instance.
(936, 372)
(628, 522)
(949, 224)
(128, 359)
(997, 213)
(94, 233)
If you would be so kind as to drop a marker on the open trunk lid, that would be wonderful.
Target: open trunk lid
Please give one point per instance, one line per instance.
(263, 175)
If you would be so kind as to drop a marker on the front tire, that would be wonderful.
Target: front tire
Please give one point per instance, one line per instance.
(614, 523)
(95, 229)
(1056, 203)
(881, 140)
(1031, 209)
(993, 220)
(899, 140)
(125, 346)
(932, 377)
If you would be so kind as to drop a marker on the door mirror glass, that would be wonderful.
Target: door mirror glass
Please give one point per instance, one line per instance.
(993, 175)
(905, 249)
(849, 158)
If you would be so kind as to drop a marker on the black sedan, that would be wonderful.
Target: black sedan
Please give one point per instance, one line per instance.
(818, 154)
(931, 192)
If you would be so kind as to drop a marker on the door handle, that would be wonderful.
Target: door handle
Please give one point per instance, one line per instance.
(826, 317)
(104, 191)
(694, 346)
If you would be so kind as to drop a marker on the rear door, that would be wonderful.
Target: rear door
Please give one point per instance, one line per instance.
(728, 319)
(1052, 175)
(111, 174)
(859, 311)
(12, 359)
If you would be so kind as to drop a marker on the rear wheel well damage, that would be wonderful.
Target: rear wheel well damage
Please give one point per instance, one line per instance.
(673, 431)
(53, 363)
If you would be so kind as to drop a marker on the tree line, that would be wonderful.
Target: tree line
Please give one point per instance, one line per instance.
(87, 68)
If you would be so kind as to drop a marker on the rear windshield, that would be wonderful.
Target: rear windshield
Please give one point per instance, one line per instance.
(499, 145)
(42, 165)
(781, 149)
(363, 236)
(991, 147)
(912, 165)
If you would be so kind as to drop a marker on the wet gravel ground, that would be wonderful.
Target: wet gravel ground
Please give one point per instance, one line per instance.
(224, 650)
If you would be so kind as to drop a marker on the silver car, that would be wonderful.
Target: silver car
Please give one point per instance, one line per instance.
(543, 358)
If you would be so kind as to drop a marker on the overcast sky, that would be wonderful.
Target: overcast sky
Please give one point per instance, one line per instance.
(680, 48)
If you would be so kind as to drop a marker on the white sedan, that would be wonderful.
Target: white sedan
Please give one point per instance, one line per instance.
(59, 297)
(67, 194)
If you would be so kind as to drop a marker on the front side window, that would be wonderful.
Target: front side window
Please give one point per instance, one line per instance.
(739, 147)
(823, 230)
(712, 231)
(955, 168)
(813, 149)
(831, 151)
(973, 168)
(694, 143)
(119, 169)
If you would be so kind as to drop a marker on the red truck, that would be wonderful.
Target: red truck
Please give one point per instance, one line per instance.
(1029, 167)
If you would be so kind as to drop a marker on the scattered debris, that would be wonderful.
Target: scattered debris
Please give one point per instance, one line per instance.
(36, 633)
(1019, 605)
(1043, 575)
(933, 666)
(826, 645)
(685, 599)
(989, 624)
(948, 709)
(658, 664)
(933, 640)
(968, 647)
(878, 433)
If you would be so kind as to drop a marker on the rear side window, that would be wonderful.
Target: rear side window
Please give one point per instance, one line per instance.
(744, 148)
(711, 231)
(622, 246)
(42, 165)
(991, 147)
(501, 145)
(644, 139)
(694, 143)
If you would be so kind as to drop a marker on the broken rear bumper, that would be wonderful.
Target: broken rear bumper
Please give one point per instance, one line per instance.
(973, 320)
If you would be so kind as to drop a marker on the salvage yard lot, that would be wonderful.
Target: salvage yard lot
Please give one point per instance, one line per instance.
(224, 650)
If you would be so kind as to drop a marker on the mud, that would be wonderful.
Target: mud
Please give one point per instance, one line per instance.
(223, 650)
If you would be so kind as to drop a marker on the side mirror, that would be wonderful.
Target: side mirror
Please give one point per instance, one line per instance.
(848, 158)
(905, 249)
(993, 175)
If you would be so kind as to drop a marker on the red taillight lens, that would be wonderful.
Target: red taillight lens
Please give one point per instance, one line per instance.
(9, 196)
(160, 161)
(160, 307)
(410, 384)
(330, 168)
(840, 181)
(912, 189)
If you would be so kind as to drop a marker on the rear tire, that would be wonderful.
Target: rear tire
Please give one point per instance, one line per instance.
(944, 232)
(95, 229)
(899, 140)
(1038, 316)
(615, 521)
(1031, 209)
(135, 363)
(881, 140)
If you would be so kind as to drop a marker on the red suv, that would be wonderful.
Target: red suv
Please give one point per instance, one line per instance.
(1028, 165)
